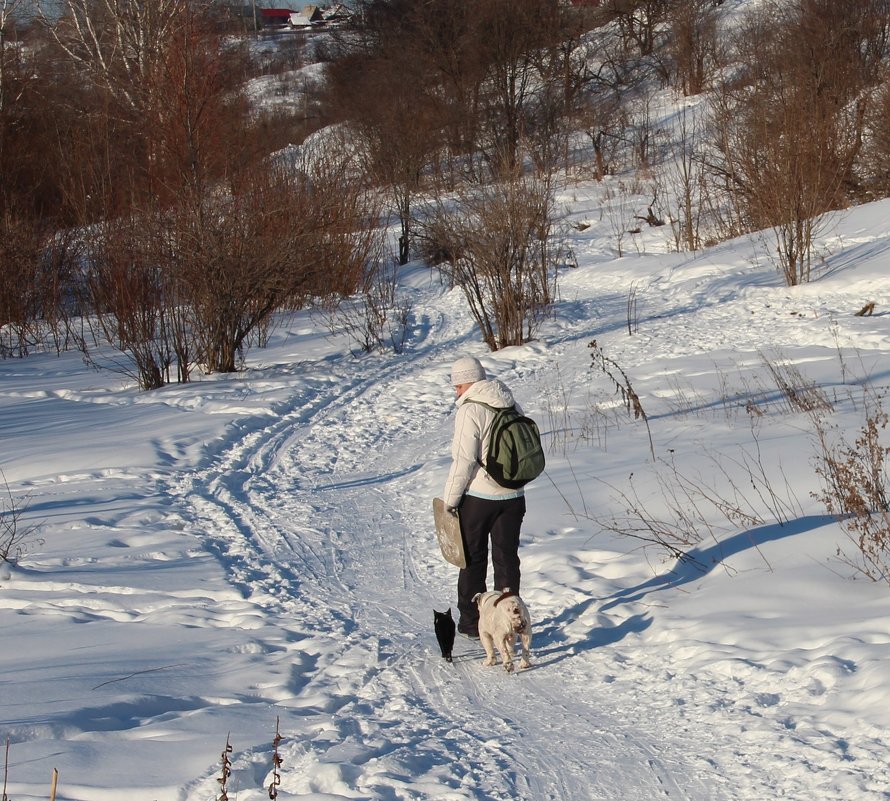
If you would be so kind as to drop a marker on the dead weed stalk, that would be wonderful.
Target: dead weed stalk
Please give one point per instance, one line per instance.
(612, 370)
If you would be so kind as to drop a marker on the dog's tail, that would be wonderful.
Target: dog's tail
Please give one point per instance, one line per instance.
(506, 593)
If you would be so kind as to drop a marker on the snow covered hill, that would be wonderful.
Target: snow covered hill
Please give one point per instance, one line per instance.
(258, 548)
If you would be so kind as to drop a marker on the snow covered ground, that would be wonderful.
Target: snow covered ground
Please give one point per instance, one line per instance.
(255, 548)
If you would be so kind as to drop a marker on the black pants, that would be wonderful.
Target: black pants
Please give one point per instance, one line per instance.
(479, 518)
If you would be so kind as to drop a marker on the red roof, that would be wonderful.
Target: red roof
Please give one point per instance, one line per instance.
(284, 13)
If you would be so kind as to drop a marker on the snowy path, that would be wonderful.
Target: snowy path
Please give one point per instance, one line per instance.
(328, 530)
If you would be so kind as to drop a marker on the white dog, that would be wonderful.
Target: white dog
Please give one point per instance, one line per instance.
(502, 617)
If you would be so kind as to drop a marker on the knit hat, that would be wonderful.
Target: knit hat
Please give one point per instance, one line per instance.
(467, 371)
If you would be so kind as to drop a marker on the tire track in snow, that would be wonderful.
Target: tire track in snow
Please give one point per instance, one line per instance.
(318, 527)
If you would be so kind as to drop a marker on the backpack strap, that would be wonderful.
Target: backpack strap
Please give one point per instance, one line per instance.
(497, 410)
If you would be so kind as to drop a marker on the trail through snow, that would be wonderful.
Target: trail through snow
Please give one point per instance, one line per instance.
(256, 548)
(324, 526)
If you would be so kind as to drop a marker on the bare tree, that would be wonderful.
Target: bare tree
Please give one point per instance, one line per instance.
(398, 137)
(275, 239)
(488, 66)
(693, 44)
(24, 160)
(876, 152)
(519, 45)
(117, 43)
(683, 180)
(790, 133)
(446, 32)
(8, 12)
(638, 21)
(601, 118)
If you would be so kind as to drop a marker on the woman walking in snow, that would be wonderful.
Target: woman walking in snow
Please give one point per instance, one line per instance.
(487, 510)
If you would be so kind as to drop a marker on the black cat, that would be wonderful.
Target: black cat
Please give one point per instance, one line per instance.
(444, 625)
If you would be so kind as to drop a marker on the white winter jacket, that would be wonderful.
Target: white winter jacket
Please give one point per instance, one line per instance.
(469, 447)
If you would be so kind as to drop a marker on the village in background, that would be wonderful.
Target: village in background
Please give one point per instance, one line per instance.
(299, 18)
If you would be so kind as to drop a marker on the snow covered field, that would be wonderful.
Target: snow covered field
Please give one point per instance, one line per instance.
(256, 548)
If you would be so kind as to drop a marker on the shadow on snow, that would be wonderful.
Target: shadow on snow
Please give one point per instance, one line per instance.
(699, 562)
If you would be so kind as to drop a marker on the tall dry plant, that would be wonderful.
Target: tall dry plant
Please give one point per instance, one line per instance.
(619, 380)
(675, 509)
(225, 771)
(15, 536)
(277, 762)
(3, 796)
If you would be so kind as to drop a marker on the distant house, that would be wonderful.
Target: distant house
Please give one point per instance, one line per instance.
(274, 17)
(336, 13)
(310, 15)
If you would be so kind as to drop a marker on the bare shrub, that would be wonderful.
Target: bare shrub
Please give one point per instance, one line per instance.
(782, 180)
(129, 294)
(278, 236)
(231, 251)
(600, 119)
(495, 242)
(34, 285)
(376, 317)
(238, 256)
(856, 491)
(683, 181)
(19, 255)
